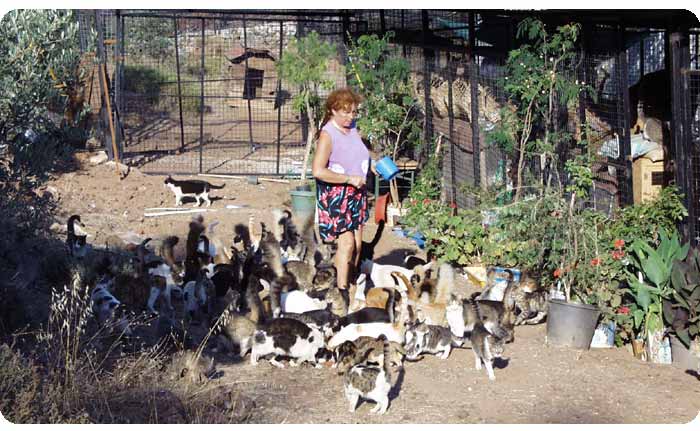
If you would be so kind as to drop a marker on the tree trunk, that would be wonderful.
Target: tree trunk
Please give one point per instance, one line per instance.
(309, 140)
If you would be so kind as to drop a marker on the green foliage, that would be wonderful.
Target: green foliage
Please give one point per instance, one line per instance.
(151, 38)
(305, 64)
(655, 265)
(580, 176)
(153, 85)
(387, 115)
(538, 81)
(34, 45)
(645, 220)
(682, 310)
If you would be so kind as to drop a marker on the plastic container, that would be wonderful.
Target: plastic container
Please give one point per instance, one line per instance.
(604, 336)
(380, 208)
(570, 324)
(387, 168)
(303, 202)
(681, 356)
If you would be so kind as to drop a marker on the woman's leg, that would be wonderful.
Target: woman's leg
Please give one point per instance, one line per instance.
(343, 257)
(358, 249)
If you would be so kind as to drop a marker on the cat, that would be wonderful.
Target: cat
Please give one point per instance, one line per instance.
(366, 349)
(323, 320)
(464, 314)
(76, 237)
(526, 300)
(424, 338)
(486, 348)
(364, 315)
(370, 382)
(286, 337)
(195, 188)
(166, 251)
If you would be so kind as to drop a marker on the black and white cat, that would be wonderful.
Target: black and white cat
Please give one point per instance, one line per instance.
(195, 188)
(286, 337)
(76, 236)
(371, 382)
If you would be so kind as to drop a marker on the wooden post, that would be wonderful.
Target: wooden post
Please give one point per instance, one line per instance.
(103, 69)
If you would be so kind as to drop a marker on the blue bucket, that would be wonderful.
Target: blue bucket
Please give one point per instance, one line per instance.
(386, 168)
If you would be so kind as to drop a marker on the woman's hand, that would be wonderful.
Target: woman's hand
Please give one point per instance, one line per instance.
(356, 180)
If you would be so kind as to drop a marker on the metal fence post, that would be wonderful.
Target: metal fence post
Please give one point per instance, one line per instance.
(245, 85)
(119, 59)
(179, 86)
(278, 96)
(477, 155)
(626, 138)
(679, 53)
(427, 55)
(201, 103)
(451, 126)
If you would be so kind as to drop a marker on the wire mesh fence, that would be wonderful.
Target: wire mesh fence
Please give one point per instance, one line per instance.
(692, 85)
(198, 92)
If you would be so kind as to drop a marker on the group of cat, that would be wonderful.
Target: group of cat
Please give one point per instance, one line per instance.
(273, 294)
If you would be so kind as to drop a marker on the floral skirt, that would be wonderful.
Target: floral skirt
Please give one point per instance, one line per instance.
(341, 208)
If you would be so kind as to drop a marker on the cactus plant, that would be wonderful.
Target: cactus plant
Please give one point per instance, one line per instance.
(682, 309)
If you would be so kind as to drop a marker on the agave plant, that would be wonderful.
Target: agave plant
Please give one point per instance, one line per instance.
(682, 309)
(652, 283)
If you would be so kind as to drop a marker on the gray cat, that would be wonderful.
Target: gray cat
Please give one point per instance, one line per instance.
(370, 382)
(486, 348)
(424, 338)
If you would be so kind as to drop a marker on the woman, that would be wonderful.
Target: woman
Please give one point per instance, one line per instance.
(340, 167)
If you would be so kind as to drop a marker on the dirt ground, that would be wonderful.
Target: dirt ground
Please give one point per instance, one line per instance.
(536, 384)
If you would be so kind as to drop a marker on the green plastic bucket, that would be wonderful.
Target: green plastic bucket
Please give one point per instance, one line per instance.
(303, 202)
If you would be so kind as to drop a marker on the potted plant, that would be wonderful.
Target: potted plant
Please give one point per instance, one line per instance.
(571, 321)
(649, 286)
(305, 64)
(682, 309)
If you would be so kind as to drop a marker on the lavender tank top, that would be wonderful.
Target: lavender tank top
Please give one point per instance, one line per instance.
(348, 154)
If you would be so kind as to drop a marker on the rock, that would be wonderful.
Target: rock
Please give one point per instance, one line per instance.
(99, 158)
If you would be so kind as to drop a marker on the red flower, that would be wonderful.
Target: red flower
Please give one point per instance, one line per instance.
(413, 201)
(617, 254)
(426, 201)
(557, 273)
(619, 243)
(595, 262)
(453, 205)
(623, 310)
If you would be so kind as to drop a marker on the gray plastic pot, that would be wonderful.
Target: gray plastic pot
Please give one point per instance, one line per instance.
(682, 357)
(570, 324)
